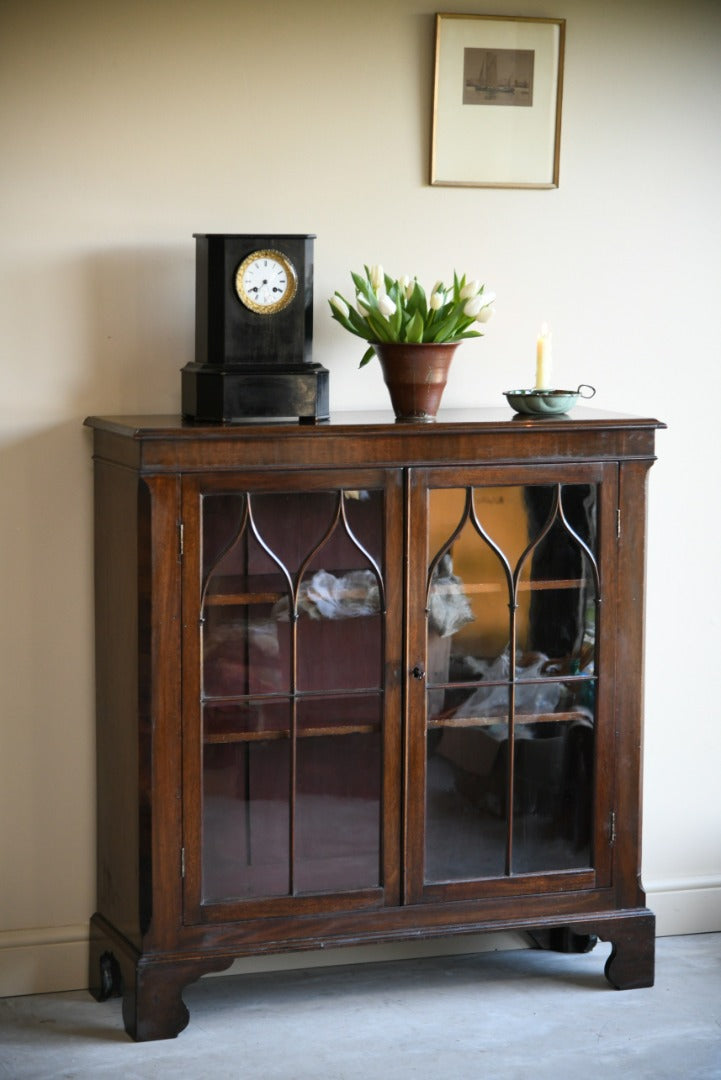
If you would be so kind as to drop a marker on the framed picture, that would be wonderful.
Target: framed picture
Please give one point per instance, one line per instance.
(497, 101)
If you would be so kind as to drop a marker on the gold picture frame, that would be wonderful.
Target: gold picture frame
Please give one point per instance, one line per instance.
(497, 93)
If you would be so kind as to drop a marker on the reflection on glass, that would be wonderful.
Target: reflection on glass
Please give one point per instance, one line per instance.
(514, 573)
(292, 661)
(245, 650)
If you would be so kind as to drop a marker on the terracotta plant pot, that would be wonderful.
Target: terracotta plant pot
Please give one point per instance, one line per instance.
(416, 378)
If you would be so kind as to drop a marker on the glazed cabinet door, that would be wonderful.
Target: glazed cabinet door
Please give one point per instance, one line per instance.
(292, 619)
(510, 690)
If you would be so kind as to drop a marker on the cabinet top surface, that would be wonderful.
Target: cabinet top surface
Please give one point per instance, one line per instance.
(171, 444)
(479, 420)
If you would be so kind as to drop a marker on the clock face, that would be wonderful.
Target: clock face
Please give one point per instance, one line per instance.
(266, 282)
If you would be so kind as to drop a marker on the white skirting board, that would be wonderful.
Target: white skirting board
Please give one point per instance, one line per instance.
(43, 960)
(51, 959)
(690, 906)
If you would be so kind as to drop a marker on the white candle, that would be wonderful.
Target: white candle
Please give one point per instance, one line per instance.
(543, 359)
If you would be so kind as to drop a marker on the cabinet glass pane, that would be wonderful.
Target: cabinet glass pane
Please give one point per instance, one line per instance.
(292, 668)
(513, 593)
(338, 814)
(338, 800)
(245, 819)
(246, 648)
(465, 813)
(553, 790)
(558, 577)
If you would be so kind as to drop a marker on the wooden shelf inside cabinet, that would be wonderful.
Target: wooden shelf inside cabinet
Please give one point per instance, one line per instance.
(520, 719)
(365, 813)
(312, 733)
(242, 599)
(483, 587)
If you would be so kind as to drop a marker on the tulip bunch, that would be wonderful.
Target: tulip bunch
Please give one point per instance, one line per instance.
(397, 309)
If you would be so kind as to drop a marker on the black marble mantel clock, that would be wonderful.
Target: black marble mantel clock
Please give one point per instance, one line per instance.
(254, 331)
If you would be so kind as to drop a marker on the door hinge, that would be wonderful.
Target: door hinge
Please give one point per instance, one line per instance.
(180, 539)
(618, 523)
(182, 862)
(612, 828)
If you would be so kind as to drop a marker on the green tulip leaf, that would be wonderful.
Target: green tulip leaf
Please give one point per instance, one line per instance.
(414, 329)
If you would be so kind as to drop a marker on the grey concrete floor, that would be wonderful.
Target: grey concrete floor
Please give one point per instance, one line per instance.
(518, 1013)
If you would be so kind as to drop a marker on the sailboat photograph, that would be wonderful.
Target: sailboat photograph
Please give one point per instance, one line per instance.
(498, 76)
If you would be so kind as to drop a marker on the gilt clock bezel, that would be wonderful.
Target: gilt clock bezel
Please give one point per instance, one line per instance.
(291, 275)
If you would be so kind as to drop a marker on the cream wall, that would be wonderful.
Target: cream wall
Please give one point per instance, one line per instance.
(125, 128)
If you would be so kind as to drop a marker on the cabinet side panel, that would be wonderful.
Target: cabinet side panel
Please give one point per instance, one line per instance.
(159, 727)
(116, 651)
(629, 686)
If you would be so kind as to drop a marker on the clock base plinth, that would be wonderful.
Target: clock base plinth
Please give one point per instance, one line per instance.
(237, 393)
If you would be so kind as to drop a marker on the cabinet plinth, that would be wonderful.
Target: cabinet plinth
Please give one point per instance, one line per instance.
(361, 682)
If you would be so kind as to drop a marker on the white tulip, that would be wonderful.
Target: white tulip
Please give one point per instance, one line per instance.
(361, 306)
(377, 277)
(472, 307)
(470, 290)
(404, 282)
(487, 312)
(436, 301)
(340, 305)
(386, 305)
